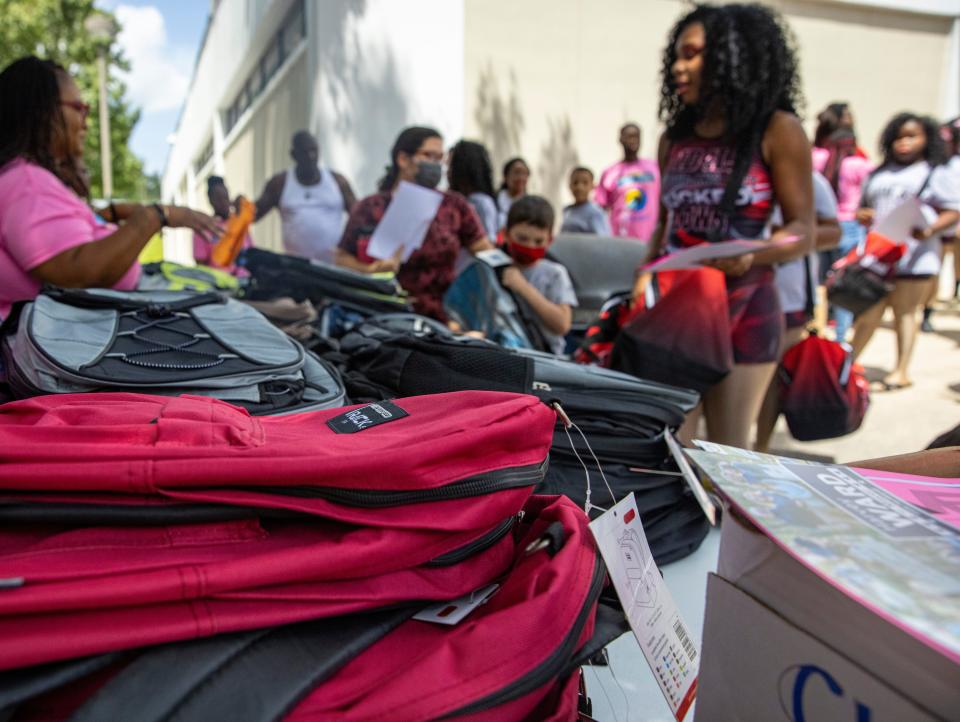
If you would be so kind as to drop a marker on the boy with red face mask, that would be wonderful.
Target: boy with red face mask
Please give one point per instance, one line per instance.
(545, 285)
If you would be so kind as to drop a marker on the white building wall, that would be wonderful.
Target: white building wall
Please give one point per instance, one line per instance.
(237, 32)
(382, 65)
(554, 81)
(880, 61)
(369, 68)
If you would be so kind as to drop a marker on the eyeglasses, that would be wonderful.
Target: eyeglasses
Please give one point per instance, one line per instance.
(77, 105)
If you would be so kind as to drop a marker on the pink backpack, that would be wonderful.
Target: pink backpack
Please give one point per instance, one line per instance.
(132, 520)
(515, 657)
(411, 463)
(512, 659)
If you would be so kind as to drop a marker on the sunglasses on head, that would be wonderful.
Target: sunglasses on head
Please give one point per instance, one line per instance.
(77, 105)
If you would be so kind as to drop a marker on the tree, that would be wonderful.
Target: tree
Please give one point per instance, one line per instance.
(54, 29)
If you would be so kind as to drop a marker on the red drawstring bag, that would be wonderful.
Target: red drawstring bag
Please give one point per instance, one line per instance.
(861, 279)
(823, 393)
(679, 333)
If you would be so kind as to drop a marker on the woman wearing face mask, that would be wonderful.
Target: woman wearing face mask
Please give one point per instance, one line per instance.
(48, 233)
(914, 158)
(733, 150)
(416, 157)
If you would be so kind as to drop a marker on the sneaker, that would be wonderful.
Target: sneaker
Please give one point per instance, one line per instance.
(925, 325)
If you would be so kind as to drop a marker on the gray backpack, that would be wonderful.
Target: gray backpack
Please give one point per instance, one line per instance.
(162, 342)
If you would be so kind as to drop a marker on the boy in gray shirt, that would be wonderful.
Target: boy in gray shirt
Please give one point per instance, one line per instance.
(584, 216)
(545, 285)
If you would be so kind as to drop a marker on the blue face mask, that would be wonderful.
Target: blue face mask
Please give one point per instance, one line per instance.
(428, 174)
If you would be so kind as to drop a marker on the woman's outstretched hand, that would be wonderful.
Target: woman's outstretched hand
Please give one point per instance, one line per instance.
(205, 225)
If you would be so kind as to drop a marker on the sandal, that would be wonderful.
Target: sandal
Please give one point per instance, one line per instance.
(890, 385)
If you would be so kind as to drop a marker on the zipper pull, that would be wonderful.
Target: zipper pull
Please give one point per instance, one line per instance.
(552, 540)
(564, 419)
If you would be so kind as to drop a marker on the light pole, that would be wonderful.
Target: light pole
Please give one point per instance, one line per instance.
(102, 30)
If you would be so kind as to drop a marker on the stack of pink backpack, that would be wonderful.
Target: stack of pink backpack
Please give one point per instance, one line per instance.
(171, 558)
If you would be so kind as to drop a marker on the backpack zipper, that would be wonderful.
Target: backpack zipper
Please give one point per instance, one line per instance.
(551, 667)
(475, 547)
(489, 482)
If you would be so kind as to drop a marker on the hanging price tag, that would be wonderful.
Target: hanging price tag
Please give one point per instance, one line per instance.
(669, 650)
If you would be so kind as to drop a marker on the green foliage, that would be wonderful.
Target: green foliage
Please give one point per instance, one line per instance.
(54, 29)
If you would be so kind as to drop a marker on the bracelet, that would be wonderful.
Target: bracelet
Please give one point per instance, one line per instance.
(163, 216)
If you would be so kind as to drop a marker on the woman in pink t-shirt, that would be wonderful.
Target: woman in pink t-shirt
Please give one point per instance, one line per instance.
(48, 233)
(219, 198)
(844, 164)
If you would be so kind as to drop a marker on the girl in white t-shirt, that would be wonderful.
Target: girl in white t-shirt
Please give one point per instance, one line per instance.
(913, 167)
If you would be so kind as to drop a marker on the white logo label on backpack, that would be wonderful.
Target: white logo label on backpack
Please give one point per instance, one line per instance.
(366, 417)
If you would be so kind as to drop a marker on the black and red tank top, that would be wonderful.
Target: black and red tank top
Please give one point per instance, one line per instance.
(693, 185)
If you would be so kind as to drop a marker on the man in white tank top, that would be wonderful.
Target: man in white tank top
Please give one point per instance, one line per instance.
(313, 200)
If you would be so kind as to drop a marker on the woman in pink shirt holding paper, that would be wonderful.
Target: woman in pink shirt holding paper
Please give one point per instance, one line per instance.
(48, 233)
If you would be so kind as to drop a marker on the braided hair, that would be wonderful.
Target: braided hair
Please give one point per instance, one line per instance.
(750, 71)
(31, 118)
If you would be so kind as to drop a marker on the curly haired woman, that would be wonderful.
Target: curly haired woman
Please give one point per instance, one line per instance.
(914, 166)
(732, 151)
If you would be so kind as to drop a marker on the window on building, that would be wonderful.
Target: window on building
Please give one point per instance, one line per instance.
(271, 60)
(294, 27)
(205, 155)
(291, 32)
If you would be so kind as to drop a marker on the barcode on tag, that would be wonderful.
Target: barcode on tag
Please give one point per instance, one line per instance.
(657, 625)
(684, 638)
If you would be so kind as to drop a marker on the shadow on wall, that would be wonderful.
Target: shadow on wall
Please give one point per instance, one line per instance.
(383, 107)
(499, 118)
(558, 156)
(365, 107)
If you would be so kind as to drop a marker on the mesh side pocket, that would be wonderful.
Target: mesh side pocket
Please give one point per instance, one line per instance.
(440, 370)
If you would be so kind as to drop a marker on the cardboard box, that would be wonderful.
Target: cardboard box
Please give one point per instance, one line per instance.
(844, 608)
(759, 664)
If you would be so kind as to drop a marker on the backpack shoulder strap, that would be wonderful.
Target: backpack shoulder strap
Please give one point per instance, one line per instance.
(808, 284)
(926, 181)
(212, 678)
